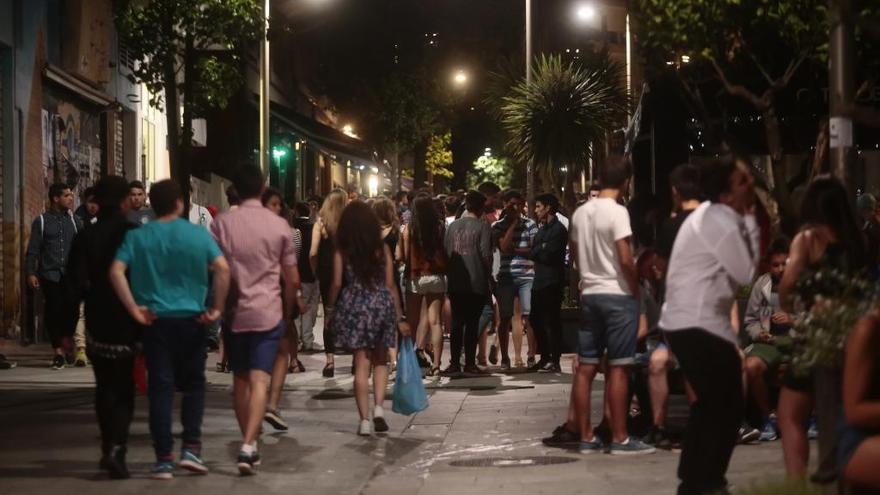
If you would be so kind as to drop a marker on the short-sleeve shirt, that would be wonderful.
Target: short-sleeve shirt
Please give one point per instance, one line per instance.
(142, 216)
(519, 267)
(257, 244)
(168, 266)
(468, 244)
(595, 228)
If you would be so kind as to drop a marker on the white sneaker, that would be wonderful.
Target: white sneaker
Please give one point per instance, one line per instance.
(366, 428)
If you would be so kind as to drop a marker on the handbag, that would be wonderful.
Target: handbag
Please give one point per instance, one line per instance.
(409, 391)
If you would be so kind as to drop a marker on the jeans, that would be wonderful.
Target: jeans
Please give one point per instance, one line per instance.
(306, 321)
(508, 289)
(546, 321)
(114, 399)
(175, 355)
(608, 322)
(713, 368)
(466, 311)
(60, 314)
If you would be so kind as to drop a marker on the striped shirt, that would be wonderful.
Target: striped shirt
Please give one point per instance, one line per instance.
(517, 266)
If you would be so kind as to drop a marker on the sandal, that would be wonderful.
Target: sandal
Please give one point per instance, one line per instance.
(300, 367)
(433, 372)
(328, 371)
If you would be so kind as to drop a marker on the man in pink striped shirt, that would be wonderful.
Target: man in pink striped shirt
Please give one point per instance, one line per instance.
(259, 248)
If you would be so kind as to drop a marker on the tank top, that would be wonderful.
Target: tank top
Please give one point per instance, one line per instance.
(420, 266)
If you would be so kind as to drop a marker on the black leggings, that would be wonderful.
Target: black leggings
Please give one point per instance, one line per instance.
(329, 336)
(114, 399)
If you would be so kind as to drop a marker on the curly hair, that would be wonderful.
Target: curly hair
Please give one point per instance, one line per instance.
(427, 227)
(360, 242)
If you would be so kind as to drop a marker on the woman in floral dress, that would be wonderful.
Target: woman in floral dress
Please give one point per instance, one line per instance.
(365, 315)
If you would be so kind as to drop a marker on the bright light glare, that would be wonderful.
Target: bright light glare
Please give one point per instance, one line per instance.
(278, 152)
(586, 12)
(373, 185)
(348, 130)
(460, 77)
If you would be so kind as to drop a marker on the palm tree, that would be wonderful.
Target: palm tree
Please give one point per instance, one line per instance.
(552, 120)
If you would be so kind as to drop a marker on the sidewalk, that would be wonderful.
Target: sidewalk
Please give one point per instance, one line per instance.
(49, 440)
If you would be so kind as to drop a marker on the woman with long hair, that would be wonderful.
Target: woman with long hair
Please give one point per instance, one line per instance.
(829, 238)
(321, 261)
(425, 257)
(287, 359)
(368, 314)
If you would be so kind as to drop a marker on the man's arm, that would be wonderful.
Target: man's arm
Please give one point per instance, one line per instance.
(738, 252)
(33, 254)
(628, 266)
(505, 243)
(752, 317)
(220, 275)
(140, 314)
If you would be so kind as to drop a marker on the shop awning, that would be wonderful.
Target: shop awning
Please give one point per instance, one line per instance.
(64, 79)
(323, 137)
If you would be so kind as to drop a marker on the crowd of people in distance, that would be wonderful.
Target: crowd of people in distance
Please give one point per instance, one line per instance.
(122, 280)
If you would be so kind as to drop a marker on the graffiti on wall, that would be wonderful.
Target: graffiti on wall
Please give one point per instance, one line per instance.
(71, 145)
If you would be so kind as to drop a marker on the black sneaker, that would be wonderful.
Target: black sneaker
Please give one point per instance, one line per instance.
(58, 363)
(530, 362)
(380, 425)
(748, 434)
(658, 437)
(562, 437)
(7, 365)
(505, 364)
(247, 463)
(273, 417)
(493, 354)
(115, 464)
(535, 367)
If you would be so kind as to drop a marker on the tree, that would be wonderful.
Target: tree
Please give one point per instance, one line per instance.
(438, 158)
(490, 169)
(405, 115)
(193, 45)
(552, 120)
(753, 50)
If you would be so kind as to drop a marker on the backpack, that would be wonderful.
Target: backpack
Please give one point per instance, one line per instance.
(43, 224)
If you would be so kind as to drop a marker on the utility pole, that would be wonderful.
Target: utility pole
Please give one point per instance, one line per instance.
(841, 94)
(265, 97)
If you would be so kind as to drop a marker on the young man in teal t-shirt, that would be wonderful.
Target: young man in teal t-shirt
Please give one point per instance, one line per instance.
(170, 265)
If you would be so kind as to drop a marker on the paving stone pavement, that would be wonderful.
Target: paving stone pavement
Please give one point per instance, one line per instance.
(49, 440)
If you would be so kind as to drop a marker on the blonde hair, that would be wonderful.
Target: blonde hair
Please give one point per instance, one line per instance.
(331, 210)
(386, 212)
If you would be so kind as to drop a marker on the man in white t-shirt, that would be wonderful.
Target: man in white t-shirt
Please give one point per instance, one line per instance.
(600, 244)
(715, 252)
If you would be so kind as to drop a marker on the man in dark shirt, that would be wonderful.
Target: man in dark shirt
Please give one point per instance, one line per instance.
(548, 254)
(686, 197)
(48, 250)
(112, 333)
(469, 247)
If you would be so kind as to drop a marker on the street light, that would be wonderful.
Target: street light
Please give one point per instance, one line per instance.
(460, 78)
(586, 12)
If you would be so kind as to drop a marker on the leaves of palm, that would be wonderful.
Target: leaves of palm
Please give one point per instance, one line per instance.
(553, 119)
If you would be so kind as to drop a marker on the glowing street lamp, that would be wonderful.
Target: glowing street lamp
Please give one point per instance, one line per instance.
(586, 12)
(460, 78)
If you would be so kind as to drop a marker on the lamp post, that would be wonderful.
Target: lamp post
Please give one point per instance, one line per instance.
(265, 77)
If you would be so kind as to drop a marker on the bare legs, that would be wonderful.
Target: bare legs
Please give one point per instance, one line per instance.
(433, 304)
(249, 390)
(793, 413)
(363, 359)
(658, 384)
(756, 370)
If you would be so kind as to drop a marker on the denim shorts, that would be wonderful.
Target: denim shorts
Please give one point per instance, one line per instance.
(609, 322)
(253, 350)
(507, 290)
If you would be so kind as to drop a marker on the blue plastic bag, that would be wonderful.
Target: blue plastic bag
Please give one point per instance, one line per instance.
(409, 391)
